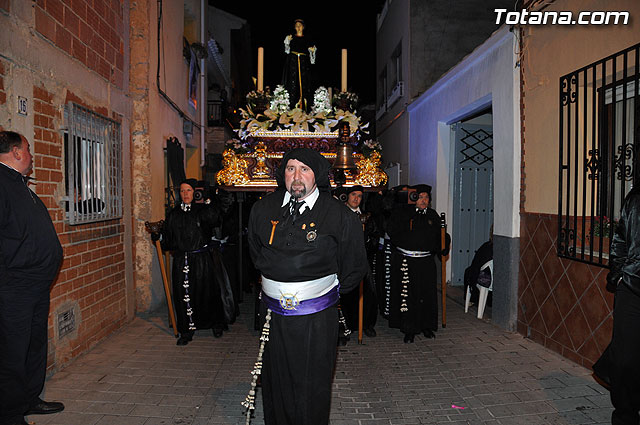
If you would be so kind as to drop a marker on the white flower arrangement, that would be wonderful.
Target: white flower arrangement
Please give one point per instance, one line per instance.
(237, 146)
(370, 146)
(321, 101)
(280, 100)
(279, 117)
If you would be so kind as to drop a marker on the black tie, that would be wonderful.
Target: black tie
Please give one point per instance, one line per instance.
(294, 208)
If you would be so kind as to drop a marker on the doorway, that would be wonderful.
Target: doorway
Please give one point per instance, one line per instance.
(472, 190)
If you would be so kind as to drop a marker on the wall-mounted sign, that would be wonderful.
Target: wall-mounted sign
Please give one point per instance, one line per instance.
(22, 105)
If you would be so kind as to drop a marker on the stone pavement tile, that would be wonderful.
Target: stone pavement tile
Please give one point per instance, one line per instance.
(574, 391)
(531, 420)
(495, 399)
(66, 418)
(151, 411)
(129, 388)
(576, 417)
(63, 394)
(135, 398)
(183, 400)
(109, 408)
(602, 400)
(599, 414)
(574, 403)
(121, 420)
(100, 396)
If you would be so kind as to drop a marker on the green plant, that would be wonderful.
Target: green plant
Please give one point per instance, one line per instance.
(604, 228)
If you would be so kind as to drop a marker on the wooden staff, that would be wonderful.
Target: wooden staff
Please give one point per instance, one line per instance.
(443, 262)
(363, 219)
(156, 227)
(360, 308)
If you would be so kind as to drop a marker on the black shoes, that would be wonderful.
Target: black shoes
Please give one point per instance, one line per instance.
(217, 332)
(17, 420)
(44, 408)
(429, 334)
(342, 340)
(370, 332)
(408, 338)
(185, 338)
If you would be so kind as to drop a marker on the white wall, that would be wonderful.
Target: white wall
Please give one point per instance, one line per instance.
(487, 77)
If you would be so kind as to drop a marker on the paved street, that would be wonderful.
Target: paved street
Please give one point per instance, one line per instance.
(472, 373)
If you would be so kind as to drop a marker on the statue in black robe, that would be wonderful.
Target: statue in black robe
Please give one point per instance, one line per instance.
(297, 76)
(415, 232)
(202, 294)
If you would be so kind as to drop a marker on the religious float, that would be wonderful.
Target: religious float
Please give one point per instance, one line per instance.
(274, 123)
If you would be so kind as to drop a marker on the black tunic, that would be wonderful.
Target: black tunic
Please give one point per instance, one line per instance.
(413, 231)
(300, 356)
(350, 303)
(30, 256)
(291, 257)
(292, 79)
(209, 291)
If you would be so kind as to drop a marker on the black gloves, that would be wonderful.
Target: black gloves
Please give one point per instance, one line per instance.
(155, 236)
(613, 279)
(444, 252)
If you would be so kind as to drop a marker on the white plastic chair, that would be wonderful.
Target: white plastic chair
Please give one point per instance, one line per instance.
(484, 292)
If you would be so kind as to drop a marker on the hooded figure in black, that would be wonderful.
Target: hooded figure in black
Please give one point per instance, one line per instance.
(350, 303)
(202, 293)
(308, 247)
(415, 233)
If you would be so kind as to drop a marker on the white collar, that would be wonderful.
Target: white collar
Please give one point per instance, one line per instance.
(309, 201)
(357, 210)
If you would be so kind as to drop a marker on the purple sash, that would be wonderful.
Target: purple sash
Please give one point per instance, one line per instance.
(292, 307)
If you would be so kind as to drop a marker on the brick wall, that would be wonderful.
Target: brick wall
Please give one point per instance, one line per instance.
(91, 281)
(3, 92)
(90, 31)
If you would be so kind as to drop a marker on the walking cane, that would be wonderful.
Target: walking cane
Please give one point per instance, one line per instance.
(363, 219)
(443, 262)
(156, 227)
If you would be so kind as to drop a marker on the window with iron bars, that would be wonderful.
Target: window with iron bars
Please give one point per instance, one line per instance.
(93, 166)
(599, 124)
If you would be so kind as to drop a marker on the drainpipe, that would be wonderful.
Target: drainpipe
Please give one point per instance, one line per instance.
(203, 100)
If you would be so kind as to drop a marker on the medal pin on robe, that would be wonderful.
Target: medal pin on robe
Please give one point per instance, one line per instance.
(311, 235)
(273, 230)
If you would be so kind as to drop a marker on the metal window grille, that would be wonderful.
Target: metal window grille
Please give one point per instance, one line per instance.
(599, 123)
(93, 161)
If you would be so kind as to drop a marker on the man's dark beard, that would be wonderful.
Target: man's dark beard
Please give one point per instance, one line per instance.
(297, 194)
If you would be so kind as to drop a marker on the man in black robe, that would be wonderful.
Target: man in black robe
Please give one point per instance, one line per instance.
(202, 294)
(308, 248)
(30, 256)
(415, 233)
(624, 281)
(350, 302)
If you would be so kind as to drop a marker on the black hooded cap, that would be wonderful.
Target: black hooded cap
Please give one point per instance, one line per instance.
(422, 188)
(191, 182)
(312, 159)
(355, 188)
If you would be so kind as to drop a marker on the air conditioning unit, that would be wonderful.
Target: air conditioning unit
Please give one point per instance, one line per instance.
(380, 112)
(396, 93)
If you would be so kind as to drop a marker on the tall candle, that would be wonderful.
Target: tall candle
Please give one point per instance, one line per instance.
(343, 86)
(260, 68)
